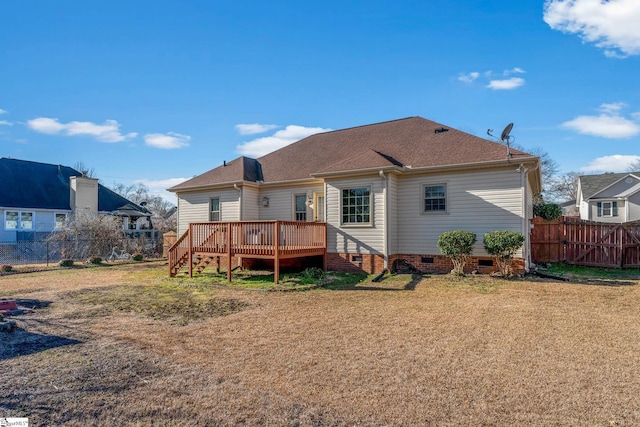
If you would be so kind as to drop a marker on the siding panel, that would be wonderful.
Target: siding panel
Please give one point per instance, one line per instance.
(478, 201)
(194, 207)
(355, 239)
(281, 202)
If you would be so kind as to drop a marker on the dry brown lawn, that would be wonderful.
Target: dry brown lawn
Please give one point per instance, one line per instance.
(477, 351)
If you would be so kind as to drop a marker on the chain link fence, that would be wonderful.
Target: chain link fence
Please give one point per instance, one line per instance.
(51, 251)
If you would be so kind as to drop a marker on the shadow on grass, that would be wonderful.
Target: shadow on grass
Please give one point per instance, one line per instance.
(365, 285)
(33, 304)
(20, 342)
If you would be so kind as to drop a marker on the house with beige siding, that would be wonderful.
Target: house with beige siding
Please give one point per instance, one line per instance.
(384, 191)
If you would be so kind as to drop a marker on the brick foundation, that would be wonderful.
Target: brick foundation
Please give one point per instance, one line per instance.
(372, 264)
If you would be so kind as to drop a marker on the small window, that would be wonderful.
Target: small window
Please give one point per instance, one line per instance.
(485, 263)
(607, 209)
(26, 220)
(11, 220)
(214, 209)
(300, 208)
(426, 260)
(60, 220)
(435, 198)
(356, 206)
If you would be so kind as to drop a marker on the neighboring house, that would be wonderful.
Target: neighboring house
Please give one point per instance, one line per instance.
(610, 197)
(386, 191)
(570, 209)
(37, 198)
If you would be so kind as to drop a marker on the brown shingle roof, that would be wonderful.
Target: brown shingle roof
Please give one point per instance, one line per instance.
(240, 169)
(412, 141)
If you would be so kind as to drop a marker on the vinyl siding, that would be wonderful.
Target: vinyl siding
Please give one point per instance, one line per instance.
(477, 201)
(250, 207)
(392, 197)
(281, 202)
(634, 207)
(593, 212)
(194, 207)
(43, 222)
(357, 239)
(617, 189)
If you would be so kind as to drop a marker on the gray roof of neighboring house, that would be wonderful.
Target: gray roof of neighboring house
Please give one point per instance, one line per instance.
(413, 141)
(593, 184)
(33, 185)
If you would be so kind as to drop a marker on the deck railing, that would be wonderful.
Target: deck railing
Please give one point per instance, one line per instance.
(251, 239)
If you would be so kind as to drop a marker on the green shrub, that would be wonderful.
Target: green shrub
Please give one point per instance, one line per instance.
(137, 257)
(6, 268)
(66, 263)
(503, 245)
(313, 273)
(458, 246)
(95, 260)
(548, 211)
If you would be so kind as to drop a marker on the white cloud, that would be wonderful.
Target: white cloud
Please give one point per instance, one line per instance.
(507, 84)
(254, 128)
(167, 141)
(3, 111)
(611, 25)
(514, 70)
(158, 187)
(470, 77)
(261, 146)
(5, 123)
(609, 124)
(613, 163)
(107, 132)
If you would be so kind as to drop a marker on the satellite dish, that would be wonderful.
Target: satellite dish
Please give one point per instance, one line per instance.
(505, 133)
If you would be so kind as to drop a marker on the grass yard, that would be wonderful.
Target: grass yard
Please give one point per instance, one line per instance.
(126, 345)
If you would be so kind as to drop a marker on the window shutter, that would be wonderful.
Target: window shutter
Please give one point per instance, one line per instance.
(599, 208)
(614, 206)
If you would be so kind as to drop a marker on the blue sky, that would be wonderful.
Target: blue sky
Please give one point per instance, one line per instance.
(160, 91)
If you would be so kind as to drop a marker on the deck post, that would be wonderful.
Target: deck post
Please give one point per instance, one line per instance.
(276, 259)
(190, 239)
(229, 267)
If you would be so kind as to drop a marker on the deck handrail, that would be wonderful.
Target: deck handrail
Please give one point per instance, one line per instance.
(259, 239)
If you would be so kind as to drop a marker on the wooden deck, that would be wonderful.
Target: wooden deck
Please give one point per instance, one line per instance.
(205, 242)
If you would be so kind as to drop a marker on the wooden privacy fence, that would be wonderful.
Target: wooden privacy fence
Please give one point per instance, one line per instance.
(587, 243)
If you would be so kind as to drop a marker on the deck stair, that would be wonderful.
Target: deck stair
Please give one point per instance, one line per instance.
(205, 242)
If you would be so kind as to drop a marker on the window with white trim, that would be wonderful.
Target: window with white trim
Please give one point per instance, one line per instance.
(435, 198)
(356, 205)
(18, 220)
(300, 207)
(214, 209)
(61, 218)
(607, 209)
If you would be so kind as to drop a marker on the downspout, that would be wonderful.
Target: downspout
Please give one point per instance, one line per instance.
(526, 227)
(237, 187)
(385, 228)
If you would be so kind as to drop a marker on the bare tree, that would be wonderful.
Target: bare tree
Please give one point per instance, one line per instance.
(564, 187)
(635, 167)
(88, 234)
(86, 170)
(162, 210)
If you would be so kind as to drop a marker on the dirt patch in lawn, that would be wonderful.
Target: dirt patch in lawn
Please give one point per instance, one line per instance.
(441, 351)
(170, 303)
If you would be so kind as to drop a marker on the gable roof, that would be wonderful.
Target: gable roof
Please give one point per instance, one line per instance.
(33, 185)
(413, 141)
(593, 184)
